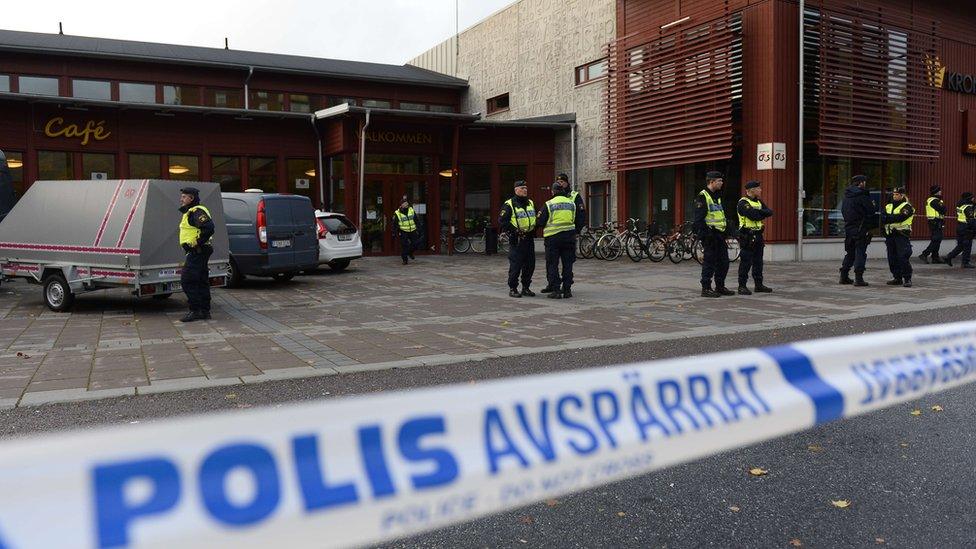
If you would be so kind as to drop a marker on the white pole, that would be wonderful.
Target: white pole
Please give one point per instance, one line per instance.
(799, 150)
(362, 168)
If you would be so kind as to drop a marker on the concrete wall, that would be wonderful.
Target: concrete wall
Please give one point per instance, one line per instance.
(530, 50)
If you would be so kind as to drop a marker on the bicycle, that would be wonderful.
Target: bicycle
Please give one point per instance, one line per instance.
(462, 244)
(731, 242)
(610, 246)
(636, 245)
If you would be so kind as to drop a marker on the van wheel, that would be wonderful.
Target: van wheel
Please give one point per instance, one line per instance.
(339, 264)
(283, 277)
(57, 293)
(234, 276)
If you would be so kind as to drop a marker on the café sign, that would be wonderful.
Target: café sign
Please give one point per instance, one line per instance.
(91, 131)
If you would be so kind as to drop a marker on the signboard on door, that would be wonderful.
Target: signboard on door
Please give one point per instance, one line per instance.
(764, 156)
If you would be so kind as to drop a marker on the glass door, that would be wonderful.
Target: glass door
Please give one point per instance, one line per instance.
(416, 192)
(662, 198)
(376, 236)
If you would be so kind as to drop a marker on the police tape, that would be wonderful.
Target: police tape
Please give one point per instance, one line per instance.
(365, 469)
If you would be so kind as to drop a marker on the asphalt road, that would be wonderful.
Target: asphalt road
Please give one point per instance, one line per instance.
(911, 480)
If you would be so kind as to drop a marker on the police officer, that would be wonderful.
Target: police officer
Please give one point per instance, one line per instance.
(560, 221)
(935, 211)
(897, 227)
(752, 211)
(518, 219)
(860, 217)
(196, 239)
(710, 226)
(965, 229)
(405, 225)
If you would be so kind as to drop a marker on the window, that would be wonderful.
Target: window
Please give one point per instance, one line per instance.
(226, 172)
(225, 98)
(39, 85)
(131, 92)
(477, 196)
(337, 184)
(638, 190)
(4, 83)
(302, 177)
(237, 211)
(299, 103)
(54, 165)
(498, 103)
(145, 166)
(598, 202)
(442, 108)
(376, 103)
(15, 161)
(333, 101)
(92, 89)
(182, 95)
(183, 167)
(267, 101)
(398, 163)
(591, 71)
(97, 166)
(509, 174)
(262, 173)
(413, 106)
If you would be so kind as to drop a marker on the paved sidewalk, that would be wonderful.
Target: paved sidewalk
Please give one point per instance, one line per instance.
(380, 314)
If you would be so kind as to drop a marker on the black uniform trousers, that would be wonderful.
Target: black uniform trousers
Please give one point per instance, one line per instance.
(195, 279)
(407, 242)
(899, 254)
(560, 248)
(964, 246)
(715, 264)
(751, 245)
(856, 254)
(521, 260)
(937, 228)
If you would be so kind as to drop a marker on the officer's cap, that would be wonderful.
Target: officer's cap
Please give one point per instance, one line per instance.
(858, 179)
(562, 177)
(934, 189)
(520, 183)
(714, 175)
(190, 190)
(899, 190)
(753, 185)
(967, 195)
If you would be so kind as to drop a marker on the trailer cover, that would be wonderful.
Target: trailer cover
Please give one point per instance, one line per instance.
(130, 223)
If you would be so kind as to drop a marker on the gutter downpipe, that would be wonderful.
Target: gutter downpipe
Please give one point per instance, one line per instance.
(800, 147)
(247, 95)
(321, 173)
(362, 167)
(572, 155)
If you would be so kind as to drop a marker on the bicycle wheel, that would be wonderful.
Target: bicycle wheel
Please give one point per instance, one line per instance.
(698, 251)
(658, 248)
(615, 248)
(503, 244)
(600, 248)
(478, 244)
(635, 251)
(462, 244)
(676, 252)
(688, 246)
(734, 251)
(586, 244)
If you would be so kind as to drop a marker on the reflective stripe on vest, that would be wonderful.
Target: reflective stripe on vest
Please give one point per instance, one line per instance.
(562, 216)
(406, 222)
(745, 222)
(961, 213)
(903, 226)
(523, 219)
(190, 234)
(931, 212)
(715, 218)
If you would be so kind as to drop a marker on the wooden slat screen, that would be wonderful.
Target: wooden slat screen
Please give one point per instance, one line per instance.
(670, 96)
(874, 91)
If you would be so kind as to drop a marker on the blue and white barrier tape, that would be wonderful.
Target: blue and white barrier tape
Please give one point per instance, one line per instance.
(361, 470)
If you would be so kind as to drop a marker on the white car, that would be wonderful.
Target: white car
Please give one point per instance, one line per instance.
(339, 241)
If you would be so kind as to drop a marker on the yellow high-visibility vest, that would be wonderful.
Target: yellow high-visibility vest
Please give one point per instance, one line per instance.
(523, 219)
(902, 226)
(715, 218)
(190, 234)
(562, 216)
(745, 222)
(931, 212)
(406, 222)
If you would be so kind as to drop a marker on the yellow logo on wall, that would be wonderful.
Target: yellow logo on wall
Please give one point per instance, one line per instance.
(936, 71)
(56, 127)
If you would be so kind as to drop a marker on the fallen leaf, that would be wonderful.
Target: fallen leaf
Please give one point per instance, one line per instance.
(937, 408)
(526, 519)
(621, 514)
(230, 396)
(522, 541)
(879, 541)
(916, 412)
(552, 502)
(734, 509)
(796, 543)
(505, 323)
(815, 448)
(841, 503)
(903, 444)
(758, 471)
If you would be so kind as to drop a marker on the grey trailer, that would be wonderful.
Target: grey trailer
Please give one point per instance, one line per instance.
(77, 236)
(7, 197)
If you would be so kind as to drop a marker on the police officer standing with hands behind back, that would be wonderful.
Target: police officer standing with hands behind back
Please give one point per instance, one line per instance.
(196, 239)
(518, 219)
(560, 221)
(752, 210)
(710, 226)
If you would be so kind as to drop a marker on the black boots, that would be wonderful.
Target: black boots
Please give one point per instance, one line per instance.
(924, 258)
(708, 292)
(555, 294)
(845, 278)
(527, 292)
(907, 283)
(895, 282)
(859, 279)
(513, 292)
(193, 316)
(567, 294)
(760, 289)
(744, 291)
(547, 290)
(722, 290)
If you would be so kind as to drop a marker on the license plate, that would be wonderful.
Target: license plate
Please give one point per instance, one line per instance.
(345, 236)
(281, 243)
(176, 286)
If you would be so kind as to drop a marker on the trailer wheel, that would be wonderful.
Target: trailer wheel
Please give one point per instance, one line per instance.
(57, 293)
